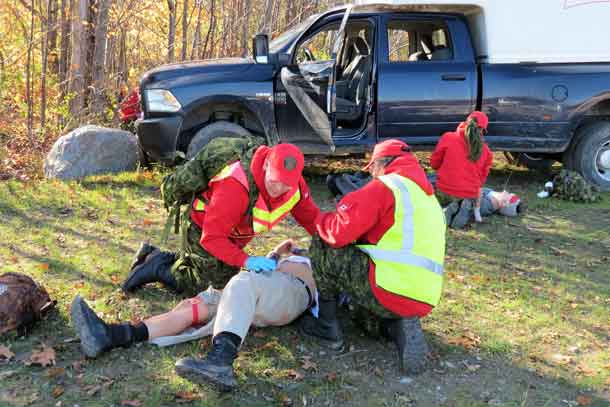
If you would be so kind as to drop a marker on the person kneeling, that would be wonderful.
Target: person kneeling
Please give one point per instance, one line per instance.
(259, 299)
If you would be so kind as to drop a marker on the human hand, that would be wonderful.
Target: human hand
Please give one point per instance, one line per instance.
(477, 215)
(260, 264)
(285, 247)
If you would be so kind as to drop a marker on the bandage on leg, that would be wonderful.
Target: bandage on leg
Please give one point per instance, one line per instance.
(195, 310)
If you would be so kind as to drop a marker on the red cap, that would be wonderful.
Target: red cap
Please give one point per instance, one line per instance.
(480, 117)
(285, 164)
(388, 148)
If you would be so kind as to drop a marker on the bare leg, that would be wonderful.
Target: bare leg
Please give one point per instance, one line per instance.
(176, 320)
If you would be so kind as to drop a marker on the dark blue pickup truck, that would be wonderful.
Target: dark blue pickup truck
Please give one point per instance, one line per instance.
(343, 80)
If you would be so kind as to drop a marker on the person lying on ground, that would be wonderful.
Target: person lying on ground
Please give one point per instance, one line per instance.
(261, 299)
(462, 160)
(491, 202)
(384, 246)
(243, 198)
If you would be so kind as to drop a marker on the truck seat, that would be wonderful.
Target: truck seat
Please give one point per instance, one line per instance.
(351, 92)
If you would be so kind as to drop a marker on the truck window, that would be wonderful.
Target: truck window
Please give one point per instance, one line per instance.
(318, 47)
(414, 41)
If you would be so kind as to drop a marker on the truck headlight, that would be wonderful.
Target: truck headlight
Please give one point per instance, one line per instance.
(161, 100)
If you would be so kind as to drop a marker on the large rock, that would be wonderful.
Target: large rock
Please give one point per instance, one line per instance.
(91, 150)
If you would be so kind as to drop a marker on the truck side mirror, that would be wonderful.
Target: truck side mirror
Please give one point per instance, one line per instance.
(260, 48)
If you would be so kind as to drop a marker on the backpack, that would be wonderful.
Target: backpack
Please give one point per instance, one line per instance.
(191, 178)
(22, 302)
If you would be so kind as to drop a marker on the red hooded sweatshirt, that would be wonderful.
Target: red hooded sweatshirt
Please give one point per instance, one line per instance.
(365, 220)
(227, 228)
(456, 174)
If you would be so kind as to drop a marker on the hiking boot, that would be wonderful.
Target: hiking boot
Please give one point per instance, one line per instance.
(325, 327)
(155, 268)
(450, 211)
(412, 348)
(94, 334)
(144, 250)
(217, 367)
(464, 214)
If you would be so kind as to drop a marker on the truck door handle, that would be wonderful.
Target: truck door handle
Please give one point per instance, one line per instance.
(449, 77)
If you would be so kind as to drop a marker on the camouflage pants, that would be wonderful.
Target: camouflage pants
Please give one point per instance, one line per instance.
(443, 198)
(346, 270)
(195, 269)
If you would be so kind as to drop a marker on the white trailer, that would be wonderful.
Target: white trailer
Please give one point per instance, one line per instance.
(526, 31)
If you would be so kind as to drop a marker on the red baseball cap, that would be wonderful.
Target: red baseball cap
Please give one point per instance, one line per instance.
(480, 117)
(285, 164)
(388, 148)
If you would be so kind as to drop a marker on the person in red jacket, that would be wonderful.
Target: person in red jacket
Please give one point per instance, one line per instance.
(226, 216)
(462, 160)
(365, 216)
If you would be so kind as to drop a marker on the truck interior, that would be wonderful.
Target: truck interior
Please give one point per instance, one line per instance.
(413, 41)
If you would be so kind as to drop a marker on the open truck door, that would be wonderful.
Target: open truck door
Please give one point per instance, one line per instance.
(305, 96)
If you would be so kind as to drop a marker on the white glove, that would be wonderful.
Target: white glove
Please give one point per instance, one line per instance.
(477, 215)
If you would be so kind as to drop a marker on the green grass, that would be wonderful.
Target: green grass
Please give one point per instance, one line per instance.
(524, 320)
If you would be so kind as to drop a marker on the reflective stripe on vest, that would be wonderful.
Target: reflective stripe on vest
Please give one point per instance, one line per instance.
(262, 218)
(409, 257)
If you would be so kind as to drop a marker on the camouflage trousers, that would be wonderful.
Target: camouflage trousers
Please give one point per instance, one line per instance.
(195, 269)
(346, 270)
(443, 198)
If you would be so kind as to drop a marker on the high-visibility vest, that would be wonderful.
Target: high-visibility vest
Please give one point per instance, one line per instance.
(263, 219)
(409, 257)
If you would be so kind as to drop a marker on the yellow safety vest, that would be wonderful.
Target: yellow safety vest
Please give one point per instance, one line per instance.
(263, 219)
(409, 257)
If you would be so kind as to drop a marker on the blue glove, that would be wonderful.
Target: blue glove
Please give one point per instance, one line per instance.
(260, 264)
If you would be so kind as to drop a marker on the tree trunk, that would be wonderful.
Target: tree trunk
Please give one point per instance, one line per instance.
(28, 80)
(225, 27)
(211, 29)
(185, 14)
(44, 49)
(265, 23)
(196, 51)
(123, 72)
(79, 56)
(245, 27)
(171, 37)
(52, 27)
(98, 100)
(66, 7)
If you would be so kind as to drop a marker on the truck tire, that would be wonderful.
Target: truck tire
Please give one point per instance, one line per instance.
(212, 131)
(591, 156)
(533, 161)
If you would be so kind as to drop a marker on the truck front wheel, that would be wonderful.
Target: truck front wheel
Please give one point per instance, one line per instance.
(212, 131)
(591, 157)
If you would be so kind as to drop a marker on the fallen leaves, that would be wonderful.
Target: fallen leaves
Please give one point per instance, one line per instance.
(583, 400)
(57, 391)
(307, 364)
(5, 353)
(556, 251)
(560, 359)
(131, 403)
(331, 377)
(45, 357)
(55, 372)
(467, 340)
(295, 374)
(43, 267)
(186, 396)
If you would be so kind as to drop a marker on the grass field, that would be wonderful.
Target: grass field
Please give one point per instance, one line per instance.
(524, 320)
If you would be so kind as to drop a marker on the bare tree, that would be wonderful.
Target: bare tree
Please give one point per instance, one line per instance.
(196, 51)
(265, 22)
(98, 101)
(52, 27)
(28, 79)
(185, 14)
(64, 51)
(44, 47)
(209, 37)
(245, 26)
(79, 56)
(171, 37)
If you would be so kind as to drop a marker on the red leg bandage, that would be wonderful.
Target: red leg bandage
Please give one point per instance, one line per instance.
(195, 310)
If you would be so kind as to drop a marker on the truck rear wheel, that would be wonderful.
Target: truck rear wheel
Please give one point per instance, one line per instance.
(591, 157)
(533, 161)
(212, 131)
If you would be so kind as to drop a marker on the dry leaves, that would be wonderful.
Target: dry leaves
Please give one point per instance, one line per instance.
(562, 359)
(147, 222)
(43, 267)
(583, 400)
(187, 396)
(308, 364)
(468, 340)
(54, 372)
(295, 374)
(46, 357)
(331, 377)
(5, 353)
(131, 403)
(57, 391)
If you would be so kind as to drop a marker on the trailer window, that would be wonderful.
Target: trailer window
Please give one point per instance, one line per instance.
(414, 41)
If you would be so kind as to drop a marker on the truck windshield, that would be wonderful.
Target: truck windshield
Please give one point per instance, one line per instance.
(289, 35)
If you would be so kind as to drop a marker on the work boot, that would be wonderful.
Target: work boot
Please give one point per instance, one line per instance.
(155, 268)
(450, 211)
(412, 348)
(144, 250)
(464, 214)
(96, 336)
(325, 327)
(217, 367)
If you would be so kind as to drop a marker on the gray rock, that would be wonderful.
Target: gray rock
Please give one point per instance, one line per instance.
(91, 150)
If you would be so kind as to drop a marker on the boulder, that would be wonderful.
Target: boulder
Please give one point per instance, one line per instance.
(91, 150)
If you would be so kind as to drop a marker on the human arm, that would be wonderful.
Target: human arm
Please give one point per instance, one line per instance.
(486, 164)
(436, 159)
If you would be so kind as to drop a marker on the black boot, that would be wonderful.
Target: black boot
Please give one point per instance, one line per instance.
(96, 336)
(326, 326)
(412, 348)
(155, 268)
(144, 250)
(217, 367)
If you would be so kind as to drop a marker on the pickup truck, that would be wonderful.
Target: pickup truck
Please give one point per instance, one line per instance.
(343, 80)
